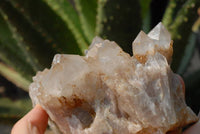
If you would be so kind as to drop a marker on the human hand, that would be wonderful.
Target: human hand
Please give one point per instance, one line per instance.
(35, 122)
(194, 129)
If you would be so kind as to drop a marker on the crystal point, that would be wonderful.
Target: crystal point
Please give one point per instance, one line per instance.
(158, 40)
(161, 35)
(143, 45)
(158, 32)
(109, 92)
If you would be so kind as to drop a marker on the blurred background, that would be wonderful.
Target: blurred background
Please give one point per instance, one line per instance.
(33, 31)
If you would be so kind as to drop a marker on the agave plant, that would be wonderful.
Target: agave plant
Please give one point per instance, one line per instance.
(33, 31)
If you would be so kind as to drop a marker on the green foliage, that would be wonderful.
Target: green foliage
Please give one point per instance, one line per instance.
(145, 6)
(33, 31)
(27, 34)
(12, 53)
(49, 26)
(114, 21)
(190, 47)
(87, 15)
(179, 23)
(70, 17)
(170, 14)
(16, 77)
(11, 111)
(145, 13)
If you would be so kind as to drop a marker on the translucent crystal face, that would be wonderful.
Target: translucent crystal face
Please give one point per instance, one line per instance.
(157, 40)
(160, 36)
(109, 92)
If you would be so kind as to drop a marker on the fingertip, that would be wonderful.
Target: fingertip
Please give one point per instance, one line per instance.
(38, 118)
(40, 112)
(35, 122)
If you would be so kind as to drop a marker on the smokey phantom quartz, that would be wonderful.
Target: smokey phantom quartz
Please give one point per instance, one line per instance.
(109, 92)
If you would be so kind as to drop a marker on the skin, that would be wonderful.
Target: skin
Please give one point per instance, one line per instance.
(35, 122)
(195, 129)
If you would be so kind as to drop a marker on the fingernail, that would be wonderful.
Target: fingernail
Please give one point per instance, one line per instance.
(32, 129)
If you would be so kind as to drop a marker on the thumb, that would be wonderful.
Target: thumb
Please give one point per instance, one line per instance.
(35, 122)
(194, 129)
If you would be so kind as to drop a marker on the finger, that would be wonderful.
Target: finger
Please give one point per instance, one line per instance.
(35, 122)
(195, 129)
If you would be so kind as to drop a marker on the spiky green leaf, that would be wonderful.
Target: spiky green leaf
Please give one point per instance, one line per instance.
(27, 36)
(12, 53)
(181, 28)
(171, 12)
(49, 25)
(13, 110)
(119, 21)
(87, 11)
(189, 50)
(145, 12)
(70, 17)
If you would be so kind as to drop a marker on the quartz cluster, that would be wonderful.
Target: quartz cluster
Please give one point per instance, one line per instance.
(110, 92)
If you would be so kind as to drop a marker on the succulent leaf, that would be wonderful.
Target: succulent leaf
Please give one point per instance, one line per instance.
(181, 28)
(145, 6)
(12, 52)
(49, 25)
(13, 110)
(15, 76)
(116, 20)
(67, 13)
(145, 12)
(87, 11)
(189, 50)
(171, 11)
(35, 45)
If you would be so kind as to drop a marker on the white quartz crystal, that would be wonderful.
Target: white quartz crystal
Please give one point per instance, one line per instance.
(157, 40)
(109, 92)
